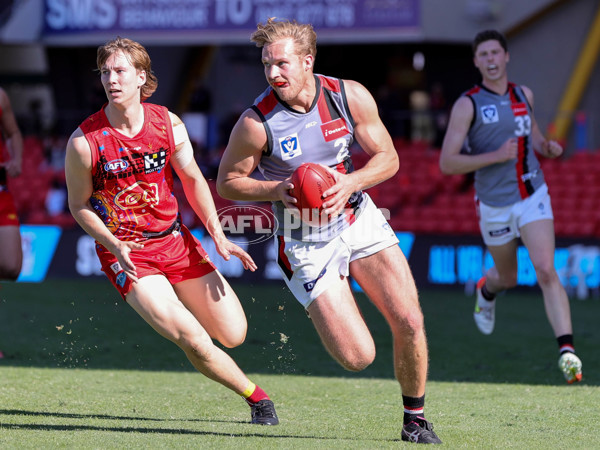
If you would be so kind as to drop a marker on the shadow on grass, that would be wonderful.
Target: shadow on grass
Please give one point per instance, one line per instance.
(168, 431)
(85, 324)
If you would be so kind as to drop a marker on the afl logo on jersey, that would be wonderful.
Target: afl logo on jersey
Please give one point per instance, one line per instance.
(489, 114)
(290, 147)
(116, 166)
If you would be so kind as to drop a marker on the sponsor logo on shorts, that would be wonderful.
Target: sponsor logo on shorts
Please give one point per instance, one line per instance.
(116, 267)
(541, 207)
(121, 279)
(500, 232)
(311, 284)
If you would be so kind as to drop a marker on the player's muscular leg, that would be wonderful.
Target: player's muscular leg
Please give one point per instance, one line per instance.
(386, 279)
(216, 307)
(342, 328)
(538, 237)
(503, 275)
(154, 299)
(12, 254)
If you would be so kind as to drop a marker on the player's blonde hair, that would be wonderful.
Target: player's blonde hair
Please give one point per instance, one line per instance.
(304, 35)
(136, 54)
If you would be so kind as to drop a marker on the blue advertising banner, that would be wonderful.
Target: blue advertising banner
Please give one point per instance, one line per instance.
(436, 261)
(39, 244)
(93, 16)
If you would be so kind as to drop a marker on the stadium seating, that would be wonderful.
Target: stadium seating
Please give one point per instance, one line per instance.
(419, 197)
(423, 200)
(31, 188)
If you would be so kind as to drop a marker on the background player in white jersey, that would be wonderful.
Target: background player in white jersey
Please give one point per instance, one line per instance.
(304, 117)
(496, 117)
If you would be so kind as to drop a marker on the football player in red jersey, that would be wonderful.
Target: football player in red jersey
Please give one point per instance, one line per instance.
(120, 186)
(11, 160)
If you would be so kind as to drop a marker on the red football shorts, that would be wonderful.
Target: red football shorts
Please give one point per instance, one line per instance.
(178, 256)
(8, 212)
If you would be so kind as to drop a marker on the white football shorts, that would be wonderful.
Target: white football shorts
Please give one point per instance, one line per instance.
(309, 268)
(500, 225)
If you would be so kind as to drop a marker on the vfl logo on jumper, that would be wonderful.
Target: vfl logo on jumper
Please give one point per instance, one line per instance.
(311, 284)
(519, 109)
(489, 114)
(155, 161)
(500, 232)
(139, 195)
(334, 129)
(116, 166)
(290, 147)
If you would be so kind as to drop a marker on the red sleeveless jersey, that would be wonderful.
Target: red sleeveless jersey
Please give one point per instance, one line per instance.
(132, 178)
(3, 156)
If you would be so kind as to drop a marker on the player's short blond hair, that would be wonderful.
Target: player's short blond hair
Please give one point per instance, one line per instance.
(304, 35)
(136, 54)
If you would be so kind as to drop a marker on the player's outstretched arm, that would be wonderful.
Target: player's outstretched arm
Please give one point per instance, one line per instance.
(545, 147)
(373, 137)
(199, 196)
(12, 136)
(78, 170)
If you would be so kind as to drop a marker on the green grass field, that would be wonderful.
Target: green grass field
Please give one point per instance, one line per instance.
(82, 370)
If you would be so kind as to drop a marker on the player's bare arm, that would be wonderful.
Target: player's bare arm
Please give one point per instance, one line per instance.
(545, 147)
(374, 139)
(199, 196)
(78, 170)
(246, 144)
(452, 161)
(12, 136)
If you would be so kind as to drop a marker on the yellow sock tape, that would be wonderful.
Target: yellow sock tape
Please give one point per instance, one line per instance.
(249, 390)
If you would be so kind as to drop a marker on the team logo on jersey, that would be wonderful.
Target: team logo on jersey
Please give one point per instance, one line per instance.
(334, 129)
(116, 166)
(290, 147)
(155, 161)
(489, 114)
(519, 109)
(137, 196)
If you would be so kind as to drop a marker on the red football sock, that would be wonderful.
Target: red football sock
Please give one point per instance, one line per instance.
(254, 394)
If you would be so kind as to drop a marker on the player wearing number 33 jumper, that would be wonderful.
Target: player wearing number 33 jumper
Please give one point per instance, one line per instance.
(495, 119)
